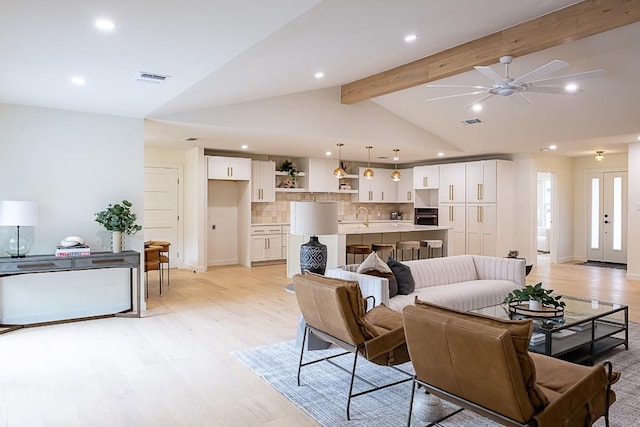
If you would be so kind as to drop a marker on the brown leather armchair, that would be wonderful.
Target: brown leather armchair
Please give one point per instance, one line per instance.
(335, 311)
(482, 364)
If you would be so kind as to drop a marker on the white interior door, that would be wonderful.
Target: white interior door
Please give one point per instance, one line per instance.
(161, 208)
(607, 217)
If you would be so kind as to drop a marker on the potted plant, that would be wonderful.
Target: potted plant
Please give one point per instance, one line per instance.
(118, 219)
(536, 296)
(290, 168)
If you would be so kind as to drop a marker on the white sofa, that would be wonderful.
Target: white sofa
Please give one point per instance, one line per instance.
(464, 282)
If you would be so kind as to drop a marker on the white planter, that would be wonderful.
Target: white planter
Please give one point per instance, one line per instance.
(534, 305)
(116, 241)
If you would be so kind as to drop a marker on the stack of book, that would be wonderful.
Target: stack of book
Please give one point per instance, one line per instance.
(77, 250)
(536, 338)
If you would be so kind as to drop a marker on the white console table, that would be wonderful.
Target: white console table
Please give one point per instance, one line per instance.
(51, 264)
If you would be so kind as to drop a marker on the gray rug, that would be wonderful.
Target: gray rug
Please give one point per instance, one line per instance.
(323, 390)
(604, 264)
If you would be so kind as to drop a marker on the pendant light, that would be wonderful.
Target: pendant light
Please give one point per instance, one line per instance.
(599, 155)
(395, 175)
(339, 172)
(368, 172)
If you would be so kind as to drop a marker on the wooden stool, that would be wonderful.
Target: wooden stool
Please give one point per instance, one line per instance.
(379, 247)
(356, 250)
(431, 245)
(408, 244)
(164, 258)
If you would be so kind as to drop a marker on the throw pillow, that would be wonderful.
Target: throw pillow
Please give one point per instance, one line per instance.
(373, 262)
(406, 284)
(393, 283)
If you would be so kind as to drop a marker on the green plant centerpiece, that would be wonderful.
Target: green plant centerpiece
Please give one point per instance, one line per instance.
(118, 218)
(544, 297)
(290, 168)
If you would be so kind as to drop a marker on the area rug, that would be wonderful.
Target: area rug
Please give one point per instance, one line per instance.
(604, 265)
(324, 388)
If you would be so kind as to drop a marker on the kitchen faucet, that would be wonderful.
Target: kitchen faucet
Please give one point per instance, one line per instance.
(366, 219)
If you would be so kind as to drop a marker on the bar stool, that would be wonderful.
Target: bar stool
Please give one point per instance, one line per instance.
(431, 245)
(380, 247)
(164, 258)
(152, 262)
(356, 250)
(408, 244)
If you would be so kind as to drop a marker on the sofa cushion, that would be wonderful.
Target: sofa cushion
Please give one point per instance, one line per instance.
(442, 271)
(373, 262)
(520, 333)
(466, 296)
(393, 283)
(406, 284)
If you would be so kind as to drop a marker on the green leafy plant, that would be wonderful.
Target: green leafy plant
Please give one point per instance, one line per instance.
(290, 168)
(537, 293)
(118, 217)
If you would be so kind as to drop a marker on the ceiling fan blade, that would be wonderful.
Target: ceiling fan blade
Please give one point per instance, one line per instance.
(553, 90)
(569, 77)
(478, 101)
(548, 68)
(456, 95)
(463, 86)
(490, 74)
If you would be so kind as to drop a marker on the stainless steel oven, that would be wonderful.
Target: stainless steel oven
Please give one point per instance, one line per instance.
(426, 216)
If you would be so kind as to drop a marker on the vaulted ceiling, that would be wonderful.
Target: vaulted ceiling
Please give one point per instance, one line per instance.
(242, 72)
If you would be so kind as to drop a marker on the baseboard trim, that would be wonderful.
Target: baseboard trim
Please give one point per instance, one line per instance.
(632, 276)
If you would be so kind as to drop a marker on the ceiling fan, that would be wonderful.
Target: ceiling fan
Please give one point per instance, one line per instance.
(530, 82)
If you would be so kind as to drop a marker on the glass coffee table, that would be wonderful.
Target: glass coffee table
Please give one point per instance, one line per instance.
(586, 329)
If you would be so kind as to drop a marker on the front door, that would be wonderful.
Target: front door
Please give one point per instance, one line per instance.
(607, 197)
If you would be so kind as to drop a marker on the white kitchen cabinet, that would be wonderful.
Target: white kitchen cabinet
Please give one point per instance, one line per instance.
(482, 229)
(379, 189)
(262, 181)
(482, 180)
(320, 177)
(426, 177)
(229, 168)
(404, 187)
(454, 215)
(452, 183)
(266, 242)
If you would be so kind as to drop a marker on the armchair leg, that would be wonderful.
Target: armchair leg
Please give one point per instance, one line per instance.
(609, 367)
(413, 392)
(353, 375)
(304, 339)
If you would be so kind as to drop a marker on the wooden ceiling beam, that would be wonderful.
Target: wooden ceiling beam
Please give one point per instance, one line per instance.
(574, 22)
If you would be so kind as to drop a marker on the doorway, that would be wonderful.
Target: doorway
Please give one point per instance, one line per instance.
(161, 208)
(544, 216)
(607, 221)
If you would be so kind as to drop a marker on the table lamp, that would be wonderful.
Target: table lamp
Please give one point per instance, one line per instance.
(18, 214)
(314, 219)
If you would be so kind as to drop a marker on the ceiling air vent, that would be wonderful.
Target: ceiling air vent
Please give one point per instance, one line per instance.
(151, 78)
(471, 121)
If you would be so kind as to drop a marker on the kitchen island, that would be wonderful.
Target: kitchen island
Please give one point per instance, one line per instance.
(376, 232)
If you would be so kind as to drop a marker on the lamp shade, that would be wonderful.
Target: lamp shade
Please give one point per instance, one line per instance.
(18, 213)
(314, 218)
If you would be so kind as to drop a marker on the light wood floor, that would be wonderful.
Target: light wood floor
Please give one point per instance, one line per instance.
(174, 367)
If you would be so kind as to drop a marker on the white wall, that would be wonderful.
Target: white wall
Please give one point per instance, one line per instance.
(72, 165)
(195, 205)
(524, 208)
(633, 224)
(583, 166)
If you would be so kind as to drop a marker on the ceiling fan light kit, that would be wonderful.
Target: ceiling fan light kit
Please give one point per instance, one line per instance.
(529, 82)
(599, 155)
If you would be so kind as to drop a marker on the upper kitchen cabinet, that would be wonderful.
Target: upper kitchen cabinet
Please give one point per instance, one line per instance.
(379, 189)
(404, 187)
(320, 178)
(426, 177)
(262, 181)
(228, 168)
(452, 183)
(482, 180)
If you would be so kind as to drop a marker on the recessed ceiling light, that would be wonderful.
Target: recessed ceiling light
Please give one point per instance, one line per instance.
(544, 149)
(328, 153)
(105, 24)
(396, 158)
(410, 38)
(244, 146)
(553, 147)
(571, 87)
(319, 75)
(440, 154)
(477, 107)
(638, 138)
(78, 81)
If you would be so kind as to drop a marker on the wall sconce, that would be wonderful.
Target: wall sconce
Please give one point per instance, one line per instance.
(368, 172)
(339, 172)
(395, 175)
(599, 155)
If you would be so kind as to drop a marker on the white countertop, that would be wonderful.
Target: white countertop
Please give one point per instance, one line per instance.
(386, 227)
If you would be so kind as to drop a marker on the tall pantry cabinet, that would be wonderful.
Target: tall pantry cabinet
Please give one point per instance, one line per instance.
(451, 207)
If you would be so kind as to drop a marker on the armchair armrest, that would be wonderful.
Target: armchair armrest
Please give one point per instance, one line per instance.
(376, 287)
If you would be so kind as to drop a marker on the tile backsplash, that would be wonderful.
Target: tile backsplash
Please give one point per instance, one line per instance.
(278, 211)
